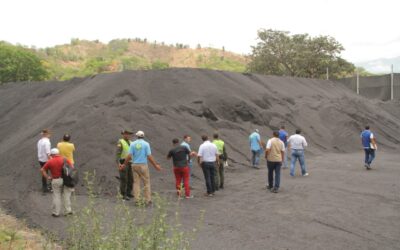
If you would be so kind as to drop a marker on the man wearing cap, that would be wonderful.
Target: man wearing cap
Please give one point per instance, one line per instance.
(125, 172)
(67, 148)
(55, 165)
(140, 154)
(219, 173)
(255, 147)
(43, 147)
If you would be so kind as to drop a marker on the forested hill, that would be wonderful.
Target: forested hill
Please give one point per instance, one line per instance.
(82, 57)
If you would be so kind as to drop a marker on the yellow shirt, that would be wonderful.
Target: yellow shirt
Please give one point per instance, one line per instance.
(67, 150)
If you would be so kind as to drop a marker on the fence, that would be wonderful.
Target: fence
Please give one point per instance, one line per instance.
(376, 87)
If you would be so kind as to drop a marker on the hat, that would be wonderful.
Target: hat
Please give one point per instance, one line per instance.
(140, 133)
(54, 151)
(126, 132)
(256, 130)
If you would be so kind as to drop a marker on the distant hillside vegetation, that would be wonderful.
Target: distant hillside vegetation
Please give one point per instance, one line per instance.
(83, 58)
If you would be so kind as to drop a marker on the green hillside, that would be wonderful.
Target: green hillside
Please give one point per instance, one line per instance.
(83, 58)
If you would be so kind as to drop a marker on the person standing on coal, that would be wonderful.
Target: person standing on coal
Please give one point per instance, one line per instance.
(297, 143)
(125, 172)
(43, 147)
(222, 155)
(274, 153)
(207, 158)
(369, 144)
(140, 154)
(256, 148)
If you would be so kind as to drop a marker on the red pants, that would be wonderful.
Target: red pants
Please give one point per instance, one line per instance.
(182, 172)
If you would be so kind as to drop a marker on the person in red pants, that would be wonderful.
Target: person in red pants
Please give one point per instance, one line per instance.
(180, 157)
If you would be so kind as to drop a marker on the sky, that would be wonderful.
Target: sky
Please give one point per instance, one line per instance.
(367, 29)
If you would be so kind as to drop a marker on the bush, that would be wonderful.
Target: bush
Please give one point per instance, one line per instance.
(159, 65)
(132, 228)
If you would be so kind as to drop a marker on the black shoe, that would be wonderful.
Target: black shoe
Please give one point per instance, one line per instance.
(130, 196)
(125, 198)
(55, 216)
(221, 187)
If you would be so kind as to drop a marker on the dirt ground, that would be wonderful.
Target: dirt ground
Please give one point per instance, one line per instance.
(340, 205)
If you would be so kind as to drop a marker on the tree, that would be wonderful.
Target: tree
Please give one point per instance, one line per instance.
(20, 64)
(279, 53)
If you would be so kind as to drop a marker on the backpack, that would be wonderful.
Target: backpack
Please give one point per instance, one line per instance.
(69, 175)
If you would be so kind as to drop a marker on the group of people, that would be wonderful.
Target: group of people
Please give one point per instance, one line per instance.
(276, 151)
(52, 160)
(132, 159)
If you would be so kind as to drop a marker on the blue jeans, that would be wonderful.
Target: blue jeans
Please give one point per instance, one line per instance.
(209, 176)
(369, 155)
(255, 157)
(298, 154)
(285, 158)
(274, 167)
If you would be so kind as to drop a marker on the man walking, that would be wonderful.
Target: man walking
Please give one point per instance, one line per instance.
(283, 135)
(297, 143)
(43, 147)
(140, 154)
(274, 153)
(55, 165)
(125, 172)
(180, 157)
(219, 175)
(186, 143)
(207, 156)
(369, 144)
(255, 147)
(67, 148)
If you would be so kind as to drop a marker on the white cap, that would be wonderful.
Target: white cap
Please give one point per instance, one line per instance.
(256, 130)
(54, 151)
(140, 133)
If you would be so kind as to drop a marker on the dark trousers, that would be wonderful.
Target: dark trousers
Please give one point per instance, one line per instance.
(45, 186)
(209, 176)
(369, 155)
(219, 174)
(274, 167)
(126, 180)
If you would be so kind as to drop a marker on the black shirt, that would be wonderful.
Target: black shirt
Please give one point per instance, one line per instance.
(180, 156)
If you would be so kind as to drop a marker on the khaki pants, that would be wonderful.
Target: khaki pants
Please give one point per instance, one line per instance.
(58, 189)
(141, 173)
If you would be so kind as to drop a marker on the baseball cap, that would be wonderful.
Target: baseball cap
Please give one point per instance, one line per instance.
(140, 133)
(125, 131)
(54, 151)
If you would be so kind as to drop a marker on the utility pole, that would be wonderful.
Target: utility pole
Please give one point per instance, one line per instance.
(358, 83)
(327, 73)
(391, 83)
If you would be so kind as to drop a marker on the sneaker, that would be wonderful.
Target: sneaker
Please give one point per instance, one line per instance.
(221, 187)
(69, 214)
(130, 196)
(274, 190)
(269, 188)
(126, 198)
(55, 215)
(306, 174)
(366, 165)
(189, 197)
(256, 167)
(292, 175)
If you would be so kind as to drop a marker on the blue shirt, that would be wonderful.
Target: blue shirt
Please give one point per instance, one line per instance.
(185, 144)
(366, 137)
(254, 139)
(139, 150)
(283, 136)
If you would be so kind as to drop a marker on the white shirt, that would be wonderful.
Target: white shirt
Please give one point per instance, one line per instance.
(297, 141)
(208, 152)
(269, 143)
(43, 146)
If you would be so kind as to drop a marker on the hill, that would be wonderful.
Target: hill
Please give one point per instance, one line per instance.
(83, 58)
(333, 208)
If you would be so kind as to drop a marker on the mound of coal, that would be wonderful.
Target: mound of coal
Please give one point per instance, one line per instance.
(170, 103)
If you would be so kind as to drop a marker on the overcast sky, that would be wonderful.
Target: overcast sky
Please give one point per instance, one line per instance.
(367, 29)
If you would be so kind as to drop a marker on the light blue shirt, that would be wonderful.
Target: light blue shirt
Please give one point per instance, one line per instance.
(254, 139)
(139, 150)
(185, 144)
